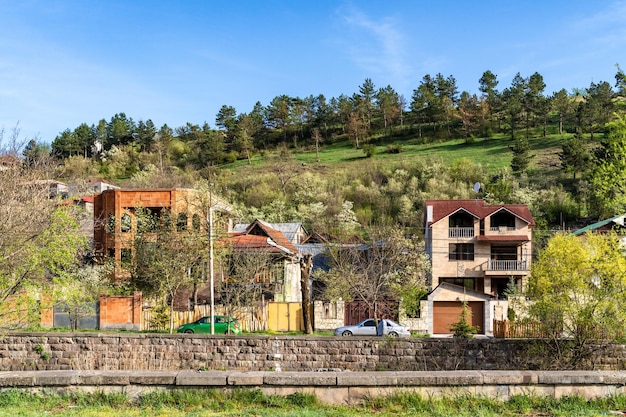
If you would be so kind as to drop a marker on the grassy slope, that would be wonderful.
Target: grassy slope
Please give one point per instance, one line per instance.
(492, 154)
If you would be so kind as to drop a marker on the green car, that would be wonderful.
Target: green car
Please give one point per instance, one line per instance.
(223, 325)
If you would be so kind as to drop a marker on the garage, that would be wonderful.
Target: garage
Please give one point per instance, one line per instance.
(446, 313)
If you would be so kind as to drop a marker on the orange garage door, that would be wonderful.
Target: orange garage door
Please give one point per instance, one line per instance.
(446, 313)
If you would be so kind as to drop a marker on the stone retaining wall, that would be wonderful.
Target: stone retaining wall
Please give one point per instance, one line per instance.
(329, 387)
(92, 351)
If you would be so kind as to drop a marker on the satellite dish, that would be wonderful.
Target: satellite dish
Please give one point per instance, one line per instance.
(477, 187)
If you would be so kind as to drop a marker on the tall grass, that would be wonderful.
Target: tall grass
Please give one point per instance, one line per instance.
(250, 402)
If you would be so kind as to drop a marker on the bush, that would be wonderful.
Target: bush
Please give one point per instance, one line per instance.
(369, 150)
(394, 148)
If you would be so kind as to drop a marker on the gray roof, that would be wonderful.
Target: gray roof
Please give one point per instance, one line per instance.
(287, 229)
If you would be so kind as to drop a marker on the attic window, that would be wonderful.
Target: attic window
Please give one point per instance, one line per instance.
(503, 219)
(461, 219)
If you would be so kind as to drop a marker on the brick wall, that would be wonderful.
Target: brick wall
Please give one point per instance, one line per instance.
(120, 312)
(91, 351)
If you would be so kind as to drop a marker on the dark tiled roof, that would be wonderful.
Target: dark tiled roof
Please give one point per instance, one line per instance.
(477, 208)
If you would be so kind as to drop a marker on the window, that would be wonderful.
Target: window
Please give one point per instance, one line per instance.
(126, 223)
(503, 219)
(504, 253)
(461, 219)
(461, 251)
(468, 283)
(126, 255)
(111, 223)
(195, 221)
(181, 222)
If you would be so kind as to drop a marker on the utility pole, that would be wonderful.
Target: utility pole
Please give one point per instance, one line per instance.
(211, 259)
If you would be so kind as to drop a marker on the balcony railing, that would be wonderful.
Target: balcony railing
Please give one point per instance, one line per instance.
(494, 265)
(502, 229)
(461, 232)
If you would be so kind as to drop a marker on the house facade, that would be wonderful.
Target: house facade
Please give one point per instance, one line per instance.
(279, 279)
(478, 251)
(115, 217)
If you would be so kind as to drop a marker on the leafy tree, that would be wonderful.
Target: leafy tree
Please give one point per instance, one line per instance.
(535, 103)
(471, 112)
(168, 255)
(38, 242)
(77, 142)
(146, 134)
(80, 288)
(422, 102)
(278, 114)
(388, 102)
(513, 103)
(575, 156)
(120, 131)
(488, 84)
(365, 102)
(521, 156)
(447, 94)
(34, 152)
(374, 272)
(356, 128)
(576, 291)
(609, 176)
(564, 105)
(620, 81)
(226, 117)
(246, 278)
(462, 328)
(597, 108)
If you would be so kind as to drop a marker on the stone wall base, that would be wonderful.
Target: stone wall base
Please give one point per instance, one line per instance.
(329, 387)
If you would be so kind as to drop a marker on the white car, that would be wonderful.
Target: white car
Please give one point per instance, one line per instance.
(368, 328)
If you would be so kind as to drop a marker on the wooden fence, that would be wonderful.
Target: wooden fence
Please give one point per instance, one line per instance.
(251, 319)
(511, 329)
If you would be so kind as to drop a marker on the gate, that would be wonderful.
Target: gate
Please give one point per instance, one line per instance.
(355, 311)
(285, 317)
(86, 316)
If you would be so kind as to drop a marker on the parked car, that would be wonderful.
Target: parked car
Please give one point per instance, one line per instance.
(223, 325)
(368, 328)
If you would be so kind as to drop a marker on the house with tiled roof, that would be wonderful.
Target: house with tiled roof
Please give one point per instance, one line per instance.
(476, 250)
(280, 280)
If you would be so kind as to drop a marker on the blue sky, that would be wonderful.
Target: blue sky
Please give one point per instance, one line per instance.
(66, 62)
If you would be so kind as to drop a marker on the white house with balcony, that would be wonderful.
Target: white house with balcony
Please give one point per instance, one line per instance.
(476, 251)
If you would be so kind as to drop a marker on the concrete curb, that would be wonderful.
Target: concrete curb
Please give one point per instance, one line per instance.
(333, 386)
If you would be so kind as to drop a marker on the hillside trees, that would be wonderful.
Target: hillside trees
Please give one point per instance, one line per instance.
(609, 176)
(513, 103)
(434, 102)
(488, 84)
(596, 109)
(564, 106)
(388, 102)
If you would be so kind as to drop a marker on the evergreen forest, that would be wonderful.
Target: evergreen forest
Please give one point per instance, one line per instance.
(371, 159)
